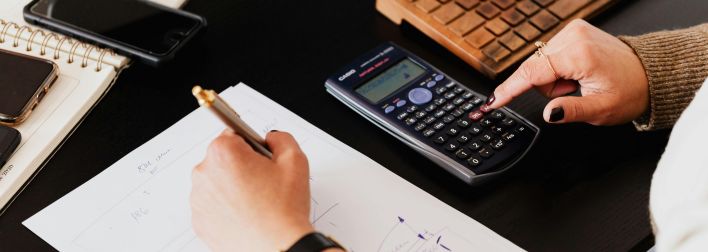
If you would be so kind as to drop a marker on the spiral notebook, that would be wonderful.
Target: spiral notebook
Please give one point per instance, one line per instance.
(86, 73)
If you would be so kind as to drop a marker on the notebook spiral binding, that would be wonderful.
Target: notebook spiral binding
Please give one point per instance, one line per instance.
(47, 37)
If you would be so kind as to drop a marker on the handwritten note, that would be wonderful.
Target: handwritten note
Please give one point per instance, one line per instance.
(141, 203)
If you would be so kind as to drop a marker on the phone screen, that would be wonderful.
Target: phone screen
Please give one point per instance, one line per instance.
(20, 78)
(132, 22)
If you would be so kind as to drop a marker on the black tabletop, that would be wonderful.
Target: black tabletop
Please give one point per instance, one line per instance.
(581, 188)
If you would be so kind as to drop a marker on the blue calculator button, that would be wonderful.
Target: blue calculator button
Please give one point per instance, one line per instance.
(439, 77)
(401, 103)
(389, 109)
(431, 84)
(420, 96)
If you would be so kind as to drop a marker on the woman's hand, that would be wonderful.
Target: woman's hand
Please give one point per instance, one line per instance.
(610, 76)
(243, 201)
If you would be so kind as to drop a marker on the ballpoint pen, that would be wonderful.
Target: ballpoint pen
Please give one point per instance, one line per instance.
(212, 101)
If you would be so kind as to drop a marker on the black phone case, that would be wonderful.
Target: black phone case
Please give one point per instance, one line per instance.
(9, 140)
(148, 57)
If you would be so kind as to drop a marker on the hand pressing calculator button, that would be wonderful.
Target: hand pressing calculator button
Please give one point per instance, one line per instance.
(439, 117)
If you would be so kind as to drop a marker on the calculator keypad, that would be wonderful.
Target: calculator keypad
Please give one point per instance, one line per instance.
(452, 119)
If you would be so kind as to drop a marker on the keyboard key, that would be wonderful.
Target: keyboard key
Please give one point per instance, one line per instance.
(463, 123)
(439, 101)
(486, 137)
(477, 100)
(440, 139)
(457, 112)
(452, 131)
(467, 106)
(475, 115)
(458, 101)
(544, 20)
(513, 17)
(504, 4)
(497, 26)
(440, 90)
(486, 123)
(479, 37)
(521, 129)
(447, 13)
(428, 132)
(512, 41)
(427, 5)
(497, 144)
(527, 7)
(462, 154)
(475, 130)
(410, 121)
(566, 8)
(450, 95)
(431, 108)
(448, 118)
(497, 115)
(419, 126)
(448, 107)
(467, 4)
(495, 51)
(463, 138)
(497, 130)
(451, 146)
(467, 95)
(508, 136)
(486, 153)
(412, 108)
(474, 146)
(543, 2)
(439, 126)
(485, 109)
(508, 122)
(527, 31)
(474, 162)
(450, 85)
(439, 113)
(402, 116)
(420, 114)
(458, 90)
(487, 10)
(429, 120)
(466, 23)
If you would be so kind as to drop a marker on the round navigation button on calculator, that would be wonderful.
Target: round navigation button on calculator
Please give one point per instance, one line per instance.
(420, 96)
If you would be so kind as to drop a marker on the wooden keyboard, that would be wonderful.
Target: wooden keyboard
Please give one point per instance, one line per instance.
(490, 35)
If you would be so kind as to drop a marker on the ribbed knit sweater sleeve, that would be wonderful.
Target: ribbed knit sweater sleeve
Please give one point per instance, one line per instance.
(676, 64)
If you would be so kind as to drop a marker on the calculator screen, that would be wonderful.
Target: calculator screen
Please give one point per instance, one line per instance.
(390, 80)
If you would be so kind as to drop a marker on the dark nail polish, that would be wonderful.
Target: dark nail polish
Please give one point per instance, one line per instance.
(274, 131)
(491, 99)
(557, 114)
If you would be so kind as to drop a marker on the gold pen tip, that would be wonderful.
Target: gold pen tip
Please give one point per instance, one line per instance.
(204, 97)
(197, 91)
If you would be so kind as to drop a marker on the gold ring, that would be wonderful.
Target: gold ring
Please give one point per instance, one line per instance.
(539, 52)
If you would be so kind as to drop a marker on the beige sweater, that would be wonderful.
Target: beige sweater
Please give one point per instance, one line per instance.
(676, 64)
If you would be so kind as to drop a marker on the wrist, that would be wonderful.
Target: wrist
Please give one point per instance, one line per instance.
(291, 235)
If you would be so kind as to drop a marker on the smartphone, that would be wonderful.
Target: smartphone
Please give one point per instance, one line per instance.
(9, 140)
(148, 31)
(24, 81)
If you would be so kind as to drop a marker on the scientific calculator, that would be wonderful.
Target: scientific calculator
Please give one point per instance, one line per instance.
(432, 113)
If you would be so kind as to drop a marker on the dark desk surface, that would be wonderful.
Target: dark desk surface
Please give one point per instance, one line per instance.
(582, 188)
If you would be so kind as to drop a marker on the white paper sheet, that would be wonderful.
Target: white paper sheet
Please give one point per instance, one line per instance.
(141, 203)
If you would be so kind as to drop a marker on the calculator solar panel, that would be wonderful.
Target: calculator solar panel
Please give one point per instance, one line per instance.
(490, 35)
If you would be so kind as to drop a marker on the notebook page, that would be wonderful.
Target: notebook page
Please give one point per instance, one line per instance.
(141, 203)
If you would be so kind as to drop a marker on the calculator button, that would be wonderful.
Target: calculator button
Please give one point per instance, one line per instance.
(410, 121)
(420, 114)
(449, 107)
(498, 115)
(485, 109)
(439, 77)
(486, 137)
(430, 108)
(402, 116)
(389, 109)
(448, 118)
(450, 85)
(497, 144)
(467, 106)
(431, 84)
(440, 90)
(462, 154)
(452, 131)
(401, 103)
(508, 136)
(428, 132)
(419, 126)
(462, 123)
(474, 146)
(475, 115)
(486, 123)
(476, 100)
(449, 95)
(458, 101)
(497, 130)
(439, 101)
(439, 126)
(458, 90)
(475, 130)
(508, 122)
(429, 120)
(467, 95)
(412, 109)
(420, 96)
(463, 138)
(439, 113)
(486, 153)
(457, 112)
(521, 129)
(451, 146)
(474, 162)
(440, 139)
